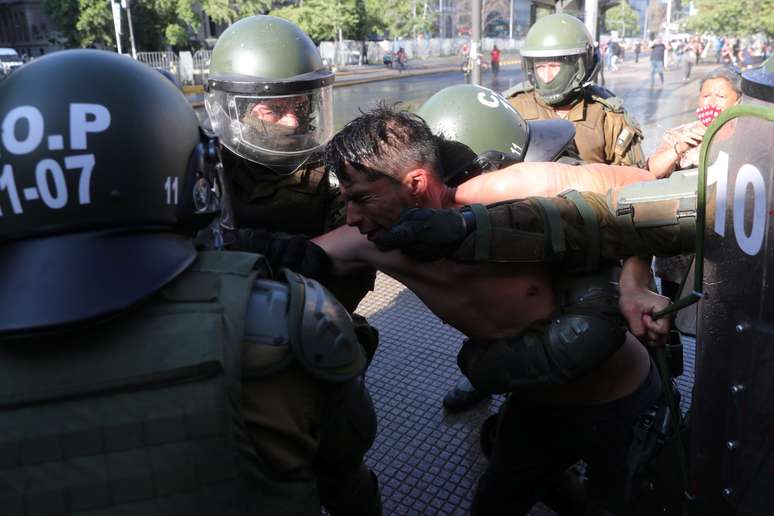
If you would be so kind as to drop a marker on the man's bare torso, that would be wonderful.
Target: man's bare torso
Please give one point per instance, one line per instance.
(488, 301)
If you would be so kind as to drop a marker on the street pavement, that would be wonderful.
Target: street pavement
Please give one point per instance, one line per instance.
(428, 460)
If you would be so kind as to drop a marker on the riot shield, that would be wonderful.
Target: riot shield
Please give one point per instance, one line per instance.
(732, 418)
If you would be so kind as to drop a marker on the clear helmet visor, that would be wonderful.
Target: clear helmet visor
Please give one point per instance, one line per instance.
(279, 131)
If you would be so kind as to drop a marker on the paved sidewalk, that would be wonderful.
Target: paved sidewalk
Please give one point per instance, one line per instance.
(377, 72)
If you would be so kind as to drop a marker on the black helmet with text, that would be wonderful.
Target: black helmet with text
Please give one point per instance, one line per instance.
(103, 182)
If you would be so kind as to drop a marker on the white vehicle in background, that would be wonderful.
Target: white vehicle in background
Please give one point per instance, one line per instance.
(9, 61)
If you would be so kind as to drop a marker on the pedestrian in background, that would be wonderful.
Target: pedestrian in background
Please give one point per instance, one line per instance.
(657, 52)
(690, 54)
(719, 44)
(637, 50)
(402, 58)
(495, 60)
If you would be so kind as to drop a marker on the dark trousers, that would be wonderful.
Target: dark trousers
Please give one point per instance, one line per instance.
(536, 443)
(346, 485)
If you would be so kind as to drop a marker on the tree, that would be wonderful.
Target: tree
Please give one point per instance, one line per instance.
(656, 15)
(622, 18)
(733, 17)
(64, 14)
(95, 24)
(323, 19)
(404, 18)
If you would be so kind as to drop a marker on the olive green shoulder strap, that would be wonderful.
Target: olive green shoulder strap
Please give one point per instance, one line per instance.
(522, 87)
(590, 227)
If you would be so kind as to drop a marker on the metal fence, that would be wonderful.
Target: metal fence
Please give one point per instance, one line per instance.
(189, 68)
(194, 67)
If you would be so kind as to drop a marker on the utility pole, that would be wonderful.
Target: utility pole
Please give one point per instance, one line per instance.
(475, 43)
(591, 10)
(117, 23)
(127, 6)
(510, 23)
(440, 18)
(666, 32)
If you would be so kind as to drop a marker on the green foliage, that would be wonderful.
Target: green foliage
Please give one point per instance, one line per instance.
(64, 13)
(95, 23)
(161, 23)
(175, 35)
(622, 18)
(733, 17)
(357, 19)
(324, 19)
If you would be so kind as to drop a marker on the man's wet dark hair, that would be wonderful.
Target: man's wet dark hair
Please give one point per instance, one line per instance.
(384, 142)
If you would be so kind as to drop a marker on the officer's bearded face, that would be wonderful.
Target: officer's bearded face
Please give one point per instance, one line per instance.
(373, 205)
(547, 71)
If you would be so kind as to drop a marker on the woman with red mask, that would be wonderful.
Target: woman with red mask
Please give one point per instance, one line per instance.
(679, 150)
(679, 147)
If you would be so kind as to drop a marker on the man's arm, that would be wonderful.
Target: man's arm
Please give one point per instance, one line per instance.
(638, 302)
(638, 219)
(524, 180)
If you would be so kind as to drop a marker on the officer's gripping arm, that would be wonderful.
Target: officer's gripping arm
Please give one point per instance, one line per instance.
(282, 250)
(577, 230)
(581, 335)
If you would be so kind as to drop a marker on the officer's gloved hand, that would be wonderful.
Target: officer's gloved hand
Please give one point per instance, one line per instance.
(425, 234)
(214, 238)
(294, 252)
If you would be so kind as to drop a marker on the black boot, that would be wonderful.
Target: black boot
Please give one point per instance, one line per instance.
(462, 396)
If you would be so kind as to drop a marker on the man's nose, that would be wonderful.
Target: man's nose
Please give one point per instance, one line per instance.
(546, 74)
(353, 215)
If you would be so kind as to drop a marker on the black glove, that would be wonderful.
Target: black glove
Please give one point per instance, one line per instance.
(294, 252)
(425, 234)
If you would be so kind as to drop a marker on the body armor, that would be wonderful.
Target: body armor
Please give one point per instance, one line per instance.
(123, 416)
(304, 202)
(604, 132)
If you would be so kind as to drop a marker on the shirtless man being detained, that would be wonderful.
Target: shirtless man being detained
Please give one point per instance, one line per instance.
(388, 161)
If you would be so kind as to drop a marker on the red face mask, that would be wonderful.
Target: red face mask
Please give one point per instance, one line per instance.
(707, 114)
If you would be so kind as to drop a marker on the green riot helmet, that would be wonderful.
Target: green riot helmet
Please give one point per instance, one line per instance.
(562, 39)
(101, 186)
(489, 127)
(270, 99)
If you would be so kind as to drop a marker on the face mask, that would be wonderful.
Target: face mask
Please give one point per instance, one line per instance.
(707, 114)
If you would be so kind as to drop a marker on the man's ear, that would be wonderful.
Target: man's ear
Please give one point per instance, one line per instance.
(417, 182)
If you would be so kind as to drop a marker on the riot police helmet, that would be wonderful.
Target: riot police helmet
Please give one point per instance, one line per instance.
(562, 42)
(101, 190)
(486, 123)
(758, 83)
(270, 98)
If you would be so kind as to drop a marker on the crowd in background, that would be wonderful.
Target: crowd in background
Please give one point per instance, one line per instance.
(686, 51)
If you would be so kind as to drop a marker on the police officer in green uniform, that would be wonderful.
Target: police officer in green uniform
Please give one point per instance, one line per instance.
(270, 101)
(560, 62)
(139, 376)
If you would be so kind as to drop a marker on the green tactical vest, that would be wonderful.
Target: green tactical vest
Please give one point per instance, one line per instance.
(297, 203)
(141, 414)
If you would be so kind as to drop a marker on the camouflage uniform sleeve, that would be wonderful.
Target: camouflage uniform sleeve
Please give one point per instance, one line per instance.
(577, 231)
(623, 138)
